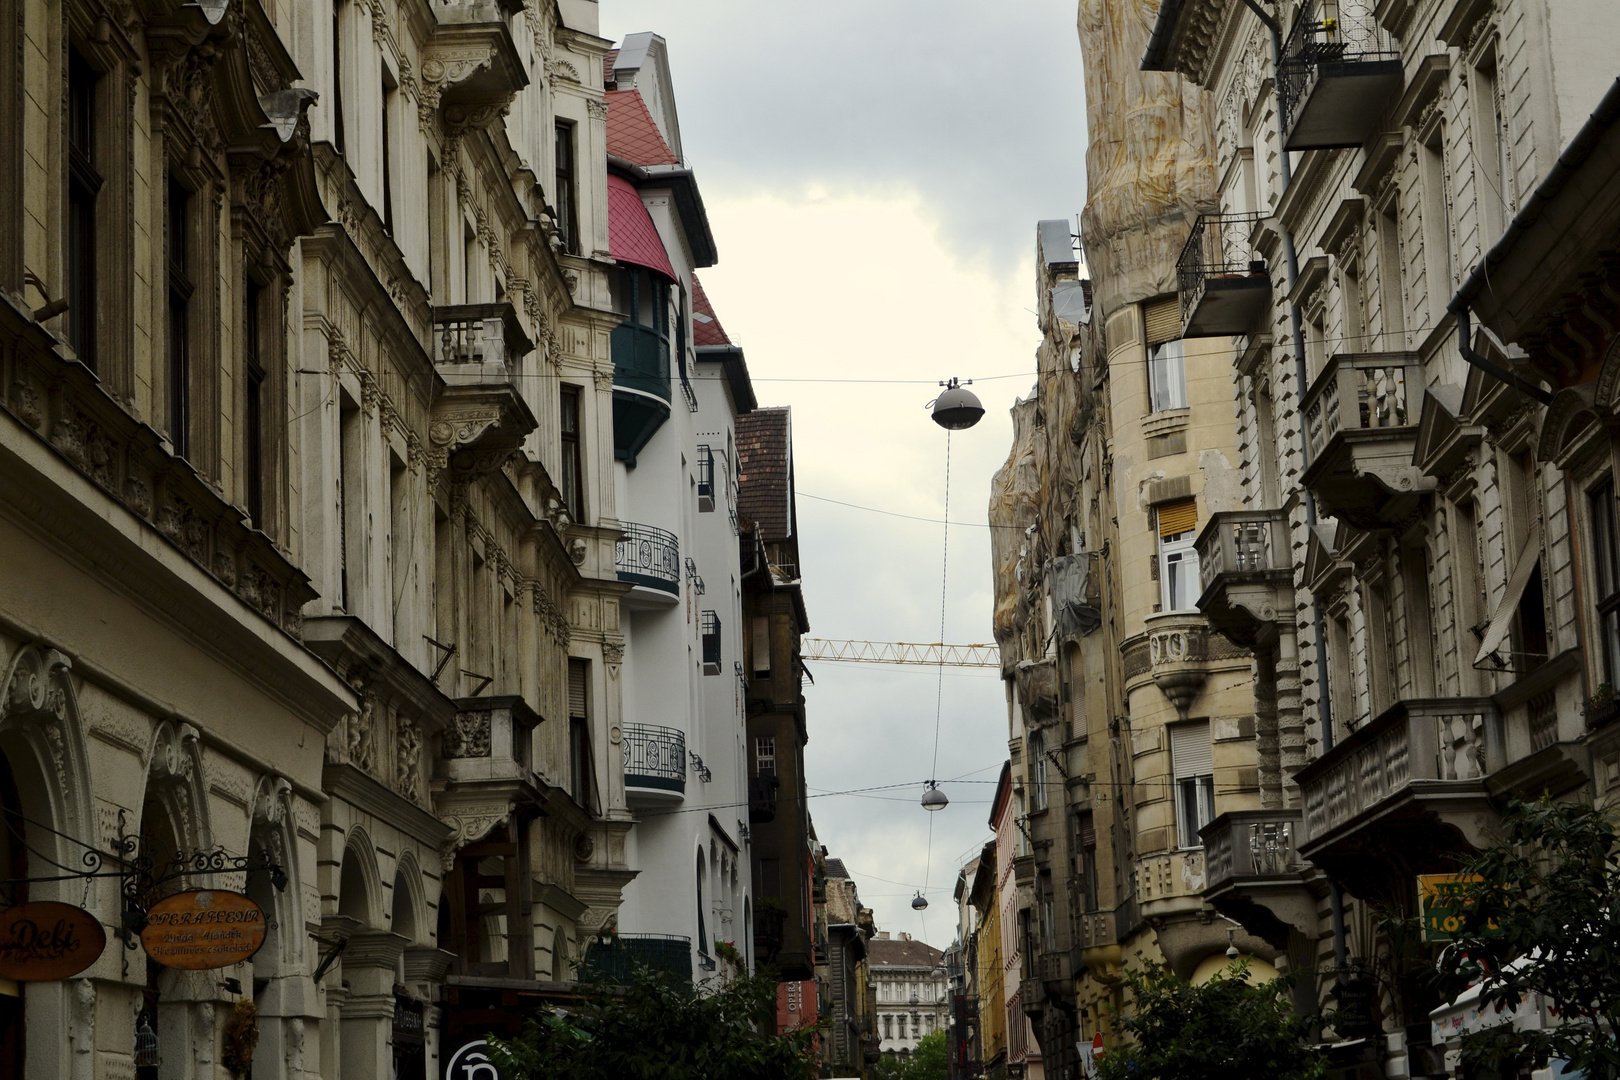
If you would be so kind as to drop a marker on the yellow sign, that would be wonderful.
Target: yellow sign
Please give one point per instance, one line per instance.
(1441, 904)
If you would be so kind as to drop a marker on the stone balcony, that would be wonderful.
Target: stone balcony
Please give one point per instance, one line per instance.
(1254, 873)
(471, 67)
(1361, 417)
(1246, 574)
(1178, 653)
(481, 416)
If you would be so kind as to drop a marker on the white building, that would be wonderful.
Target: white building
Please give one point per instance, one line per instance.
(913, 994)
(676, 492)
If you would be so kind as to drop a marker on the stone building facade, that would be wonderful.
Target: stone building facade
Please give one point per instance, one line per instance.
(912, 990)
(312, 505)
(1372, 239)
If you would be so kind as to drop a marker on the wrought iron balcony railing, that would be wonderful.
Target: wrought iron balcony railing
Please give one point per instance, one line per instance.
(705, 478)
(487, 334)
(616, 960)
(649, 556)
(1338, 68)
(1361, 391)
(710, 627)
(654, 756)
(1221, 278)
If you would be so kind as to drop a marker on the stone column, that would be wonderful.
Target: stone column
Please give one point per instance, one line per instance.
(1290, 710)
(1265, 728)
(370, 962)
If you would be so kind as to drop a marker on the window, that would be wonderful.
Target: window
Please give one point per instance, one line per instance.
(253, 420)
(711, 643)
(703, 930)
(580, 770)
(1085, 847)
(84, 184)
(705, 479)
(180, 290)
(1606, 564)
(388, 95)
(338, 7)
(765, 755)
(1037, 771)
(1192, 760)
(1391, 290)
(567, 209)
(888, 1027)
(573, 463)
(1178, 561)
(1167, 377)
(762, 646)
(1436, 225)
(1491, 149)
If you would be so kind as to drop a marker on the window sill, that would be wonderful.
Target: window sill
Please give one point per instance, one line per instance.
(1163, 423)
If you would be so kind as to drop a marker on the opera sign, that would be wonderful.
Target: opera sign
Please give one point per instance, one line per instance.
(203, 929)
(45, 941)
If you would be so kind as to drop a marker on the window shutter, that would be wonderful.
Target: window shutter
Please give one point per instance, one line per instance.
(576, 688)
(1191, 753)
(1178, 517)
(1162, 320)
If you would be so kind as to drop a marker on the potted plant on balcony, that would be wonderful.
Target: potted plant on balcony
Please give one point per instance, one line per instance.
(1602, 707)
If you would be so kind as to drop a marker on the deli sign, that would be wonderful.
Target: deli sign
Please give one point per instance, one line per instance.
(45, 941)
(203, 929)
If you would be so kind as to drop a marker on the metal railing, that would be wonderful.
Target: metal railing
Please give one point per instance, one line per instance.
(1220, 246)
(1425, 739)
(705, 477)
(616, 960)
(1242, 542)
(1360, 391)
(1327, 32)
(710, 635)
(654, 756)
(478, 334)
(650, 556)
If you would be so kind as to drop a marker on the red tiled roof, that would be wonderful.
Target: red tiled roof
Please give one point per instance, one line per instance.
(764, 462)
(897, 952)
(632, 236)
(610, 58)
(706, 328)
(631, 133)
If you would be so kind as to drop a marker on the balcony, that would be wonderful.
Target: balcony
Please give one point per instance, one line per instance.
(1245, 573)
(762, 791)
(615, 961)
(1339, 68)
(654, 759)
(649, 557)
(1402, 793)
(1222, 280)
(1255, 874)
(709, 624)
(1361, 426)
(705, 479)
(1056, 970)
(471, 67)
(489, 740)
(641, 391)
(481, 417)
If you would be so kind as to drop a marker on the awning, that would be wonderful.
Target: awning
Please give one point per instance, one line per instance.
(1529, 559)
(632, 236)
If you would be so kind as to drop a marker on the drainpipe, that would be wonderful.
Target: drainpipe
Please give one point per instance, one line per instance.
(1465, 346)
(1324, 702)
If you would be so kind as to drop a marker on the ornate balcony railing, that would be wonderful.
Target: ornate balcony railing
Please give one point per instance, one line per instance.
(1359, 392)
(1221, 279)
(1242, 542)
(1415, 741)
(649, 556)
(654, 756)
(487, 334)
(616, 960)
(1251, 844)
(1338, 68)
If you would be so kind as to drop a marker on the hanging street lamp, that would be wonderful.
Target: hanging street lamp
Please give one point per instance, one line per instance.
(957, 408)
(934, 799)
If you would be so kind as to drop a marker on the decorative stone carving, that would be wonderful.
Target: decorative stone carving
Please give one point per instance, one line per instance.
(469, 823)
(467, 736)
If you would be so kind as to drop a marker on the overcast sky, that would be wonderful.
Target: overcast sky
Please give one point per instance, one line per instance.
(873, 172)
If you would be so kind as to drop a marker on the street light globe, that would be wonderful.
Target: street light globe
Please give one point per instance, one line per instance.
(919, 902)
(934, 799)
(956, 408)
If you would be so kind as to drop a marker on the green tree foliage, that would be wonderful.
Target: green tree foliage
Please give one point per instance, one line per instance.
(930, 1061)
(1543, 919)
(660, 1027)
(1225, 1029)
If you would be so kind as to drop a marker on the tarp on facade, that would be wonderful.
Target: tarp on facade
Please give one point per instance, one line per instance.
(632, 236)
(1067, 579)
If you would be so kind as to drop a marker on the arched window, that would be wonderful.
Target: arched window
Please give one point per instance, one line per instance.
(703, 933)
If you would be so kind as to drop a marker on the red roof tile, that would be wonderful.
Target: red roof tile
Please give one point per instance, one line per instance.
(706, 328)
(631, 133)
(765, 465)
(610, 58)
(632, 236)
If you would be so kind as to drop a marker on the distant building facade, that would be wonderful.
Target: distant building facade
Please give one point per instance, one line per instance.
(912, 991)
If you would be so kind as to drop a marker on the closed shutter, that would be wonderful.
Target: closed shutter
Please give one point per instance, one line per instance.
(1162, 320)
(576, 688)
(1178, 517)
(1088, 832)
(1190, 751)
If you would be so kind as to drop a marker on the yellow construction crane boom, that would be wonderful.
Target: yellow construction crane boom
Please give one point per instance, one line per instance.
(902, 652)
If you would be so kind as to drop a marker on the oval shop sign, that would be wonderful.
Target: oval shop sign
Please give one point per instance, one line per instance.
(202, 929)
